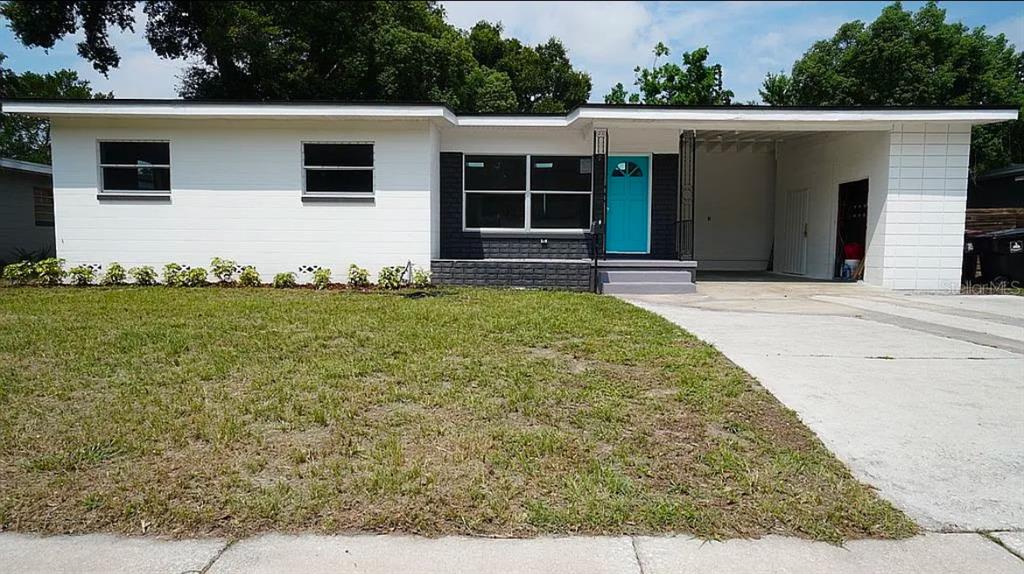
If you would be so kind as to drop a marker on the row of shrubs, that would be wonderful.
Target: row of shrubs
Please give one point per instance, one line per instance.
(51, 271)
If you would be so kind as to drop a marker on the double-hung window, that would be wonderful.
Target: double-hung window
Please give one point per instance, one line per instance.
(527, 192)
(137, 167)
(337, 169)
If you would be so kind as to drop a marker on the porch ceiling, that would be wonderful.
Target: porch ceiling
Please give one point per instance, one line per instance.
(723, 140)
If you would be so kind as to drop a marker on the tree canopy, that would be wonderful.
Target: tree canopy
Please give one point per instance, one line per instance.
(693, 83)
(908, 58)
(28, 138)
(292, 50)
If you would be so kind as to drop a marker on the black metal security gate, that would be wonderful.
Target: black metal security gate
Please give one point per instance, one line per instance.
(687, 169)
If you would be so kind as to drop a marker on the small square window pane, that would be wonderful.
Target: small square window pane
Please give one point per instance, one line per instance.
(42, 199)
(560, 211)
(500, 210)
(339, 180)
(137, 179)
(135, 153)
(496, 172)
(339, 155)
(560, 173)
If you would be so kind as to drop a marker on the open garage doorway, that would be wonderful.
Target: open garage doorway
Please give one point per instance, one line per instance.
(851, 230)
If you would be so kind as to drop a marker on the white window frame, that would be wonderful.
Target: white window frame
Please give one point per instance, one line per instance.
(139, 192)
(340, 194)
(528, 193)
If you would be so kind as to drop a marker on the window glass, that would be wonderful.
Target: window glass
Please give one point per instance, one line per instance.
(348, 180)
(137, 179)
(135, 153)
(560, 210)
(499, 210)
(42, 199)
(495, 173)
(560, 173)
(339, 155)
(338, 167)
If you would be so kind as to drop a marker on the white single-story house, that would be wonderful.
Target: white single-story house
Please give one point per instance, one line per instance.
(626, 198)
(26, 210)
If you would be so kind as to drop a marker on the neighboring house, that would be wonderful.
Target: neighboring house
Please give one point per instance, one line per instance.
(637, 196)
(26, 210)
(995, 200)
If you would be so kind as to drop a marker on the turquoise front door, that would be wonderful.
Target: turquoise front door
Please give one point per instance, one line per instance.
(628, 213)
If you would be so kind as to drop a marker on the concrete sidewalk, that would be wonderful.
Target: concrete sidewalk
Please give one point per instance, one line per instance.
(368, 554)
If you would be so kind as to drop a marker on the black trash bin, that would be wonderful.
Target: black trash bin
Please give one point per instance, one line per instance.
(975, 243)
(1002, 256)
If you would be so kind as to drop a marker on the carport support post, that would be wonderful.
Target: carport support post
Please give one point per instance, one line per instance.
(684, 211)
(600, 178)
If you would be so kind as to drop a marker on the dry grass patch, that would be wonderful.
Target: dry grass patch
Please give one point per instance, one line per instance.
(479, 412)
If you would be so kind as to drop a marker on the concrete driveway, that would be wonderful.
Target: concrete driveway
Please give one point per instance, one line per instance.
(921, 395)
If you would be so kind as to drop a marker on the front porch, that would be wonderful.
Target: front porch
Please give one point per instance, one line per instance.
(810, 199)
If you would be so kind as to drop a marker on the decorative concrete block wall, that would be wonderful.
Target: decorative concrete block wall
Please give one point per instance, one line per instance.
(924, 210)
(537, 274)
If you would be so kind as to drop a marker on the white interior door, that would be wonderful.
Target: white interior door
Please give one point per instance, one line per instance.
(796, 232)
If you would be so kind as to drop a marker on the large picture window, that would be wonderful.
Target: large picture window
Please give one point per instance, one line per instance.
(527, 192)
(338, 169)
(135, 166)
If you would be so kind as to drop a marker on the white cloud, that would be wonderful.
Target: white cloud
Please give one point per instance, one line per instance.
(141, 73)
(1013, 28)
(608, 39)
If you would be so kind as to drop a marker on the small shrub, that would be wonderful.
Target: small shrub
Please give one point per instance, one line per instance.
(172, 275)
(194, 277)
(82, 275)
(115, 274)
(20, 273)
(144, 275)
(50, 271)
(32, 255)
(284, 280)
(223, 269)
(390, 277)
(249, 277)
(420, 278)
(358, 277)
(322, 278)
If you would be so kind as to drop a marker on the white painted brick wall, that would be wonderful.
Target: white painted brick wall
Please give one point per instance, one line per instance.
(236, 193)
(924, 210)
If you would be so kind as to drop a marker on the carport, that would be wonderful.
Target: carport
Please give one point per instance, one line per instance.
(774, 200)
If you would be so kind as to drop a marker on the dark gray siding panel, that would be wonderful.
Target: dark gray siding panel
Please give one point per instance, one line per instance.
(664, 201)
(459, 244)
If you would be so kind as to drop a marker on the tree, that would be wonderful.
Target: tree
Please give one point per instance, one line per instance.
(292, 50)
(27, 138)
(542, 78)
(905, 59)
(694, 83)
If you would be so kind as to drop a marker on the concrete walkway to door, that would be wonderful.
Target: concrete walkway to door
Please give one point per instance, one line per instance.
(921, 395)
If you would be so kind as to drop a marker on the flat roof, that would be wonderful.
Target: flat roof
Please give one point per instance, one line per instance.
(690, 116)
(25, 166)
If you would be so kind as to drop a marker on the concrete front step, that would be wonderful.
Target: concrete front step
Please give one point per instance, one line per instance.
(643, 276)
(648, 288)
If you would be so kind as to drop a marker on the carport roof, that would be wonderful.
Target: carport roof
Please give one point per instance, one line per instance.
(683, 117)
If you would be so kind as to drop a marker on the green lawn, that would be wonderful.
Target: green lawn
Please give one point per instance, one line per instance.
(234, 411)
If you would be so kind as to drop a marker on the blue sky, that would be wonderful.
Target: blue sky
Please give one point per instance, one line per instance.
(605, 38)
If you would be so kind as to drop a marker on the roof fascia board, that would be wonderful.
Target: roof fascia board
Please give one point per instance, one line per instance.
(227, 110)
(799, 116)
(693, 117)
(25, 166)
